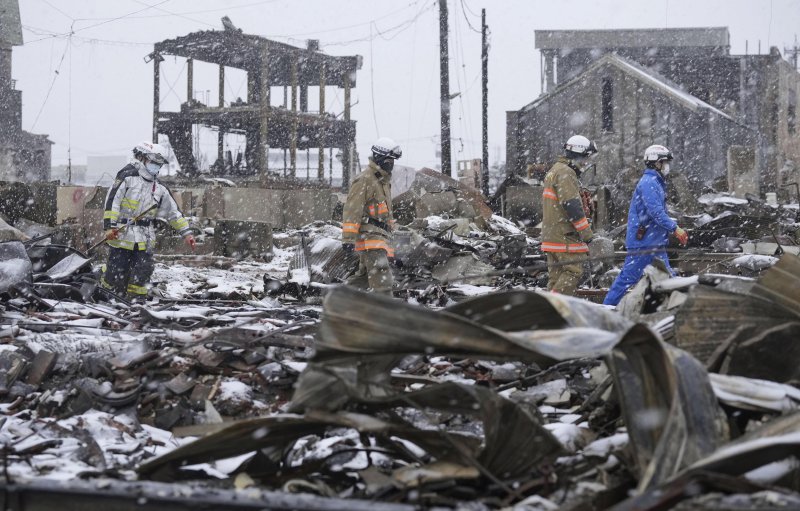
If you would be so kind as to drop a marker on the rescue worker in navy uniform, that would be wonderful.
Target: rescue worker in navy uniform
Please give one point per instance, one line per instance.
(649, 225)
(367, 221)
(565, 228)
(135, 191)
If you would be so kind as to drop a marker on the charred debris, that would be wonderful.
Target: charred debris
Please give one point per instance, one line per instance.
(259, 382)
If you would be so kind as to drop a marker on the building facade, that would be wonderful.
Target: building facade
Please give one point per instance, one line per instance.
(682, 88)
(23, 156)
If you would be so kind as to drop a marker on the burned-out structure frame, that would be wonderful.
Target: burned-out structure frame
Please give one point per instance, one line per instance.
(267, 64)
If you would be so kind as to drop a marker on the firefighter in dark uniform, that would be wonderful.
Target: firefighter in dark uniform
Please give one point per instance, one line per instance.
(565, 229)
(367, 221)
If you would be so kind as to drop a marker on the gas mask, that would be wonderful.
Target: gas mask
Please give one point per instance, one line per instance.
(665, 169)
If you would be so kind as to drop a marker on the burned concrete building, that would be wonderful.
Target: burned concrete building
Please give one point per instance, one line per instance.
(23, 156)
(729, 119)
(267, 126)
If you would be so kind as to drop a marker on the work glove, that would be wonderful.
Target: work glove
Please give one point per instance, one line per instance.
(586, 202)
(348, 248)
(682, 236)
(189, 239)
(397, 263)
(112, 234)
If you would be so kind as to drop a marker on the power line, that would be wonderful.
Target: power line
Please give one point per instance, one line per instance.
(79, 39)
(465, 112)
(411, 79)
(465, 4)
(72, 31)
(337, 29)
(57, 9)
(176, 14)
(47, 96)
(399, 28)
(464, 10)
(253, 4)
(372, 83)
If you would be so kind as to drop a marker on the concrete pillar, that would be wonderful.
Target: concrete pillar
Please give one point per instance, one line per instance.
(189, 80)
(156, 94)
(321, 135)
(549, 70)
(263, 110)
(348, 138)
(303, 96)
(221, 86)
(293, 135)
(221, 134)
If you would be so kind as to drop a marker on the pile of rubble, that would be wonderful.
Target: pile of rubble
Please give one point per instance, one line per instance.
(511, 399)
(431, 254)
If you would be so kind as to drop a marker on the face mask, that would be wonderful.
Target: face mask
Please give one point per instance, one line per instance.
(152, 168)
(387, 164)
(665, 169)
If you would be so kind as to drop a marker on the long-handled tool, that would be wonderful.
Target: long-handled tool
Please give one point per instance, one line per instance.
(124, 226)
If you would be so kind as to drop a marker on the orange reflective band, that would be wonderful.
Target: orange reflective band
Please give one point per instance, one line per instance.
(361, 246)
(563, 247)
(383, 208)
(582, 224)
(549, 193)
(371, 210)
(347, 227)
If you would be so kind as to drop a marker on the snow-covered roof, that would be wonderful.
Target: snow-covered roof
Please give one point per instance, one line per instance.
(663, 84)
(642, 74)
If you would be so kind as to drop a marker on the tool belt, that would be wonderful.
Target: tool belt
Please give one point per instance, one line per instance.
(144, 222)
(378, 224)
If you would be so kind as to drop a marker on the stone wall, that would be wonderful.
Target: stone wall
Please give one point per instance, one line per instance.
(279, 208)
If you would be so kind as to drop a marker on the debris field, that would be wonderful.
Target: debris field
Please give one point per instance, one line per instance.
(254, 385)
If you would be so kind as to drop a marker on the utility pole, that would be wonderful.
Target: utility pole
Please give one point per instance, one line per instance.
(444, 89)
(485, 105)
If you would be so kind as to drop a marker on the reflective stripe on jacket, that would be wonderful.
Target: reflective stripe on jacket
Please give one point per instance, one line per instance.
(135, 191)
(564, 222)
(649, 209)
(370, 197)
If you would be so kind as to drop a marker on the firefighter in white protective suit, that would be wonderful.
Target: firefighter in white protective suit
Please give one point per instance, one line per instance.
(133, 203)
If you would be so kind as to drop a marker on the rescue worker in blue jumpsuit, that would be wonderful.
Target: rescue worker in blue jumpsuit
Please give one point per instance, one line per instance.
(649, 225)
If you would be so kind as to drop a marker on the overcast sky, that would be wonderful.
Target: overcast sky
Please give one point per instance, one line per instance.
(93, 92)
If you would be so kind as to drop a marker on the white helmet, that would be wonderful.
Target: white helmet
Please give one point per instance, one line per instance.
(385, 147)
(656, 153)
(155, 153)
(580, 145)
